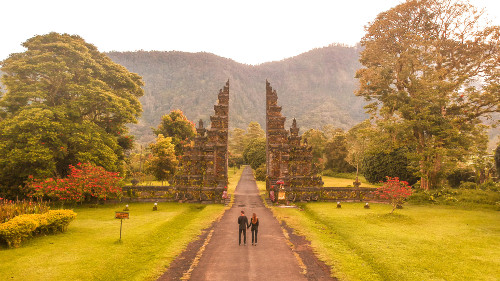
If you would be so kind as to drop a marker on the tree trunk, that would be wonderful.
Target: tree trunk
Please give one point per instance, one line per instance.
(424, 178)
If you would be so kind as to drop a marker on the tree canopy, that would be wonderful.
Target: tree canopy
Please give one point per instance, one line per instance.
(162, 163)
(65, 103)
(255, 152)
(431, 71)
(176, 126)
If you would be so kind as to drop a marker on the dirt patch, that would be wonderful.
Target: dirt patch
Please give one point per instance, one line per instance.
(183, 261)
(316, 269)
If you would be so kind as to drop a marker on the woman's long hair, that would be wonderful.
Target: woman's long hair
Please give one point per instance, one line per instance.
(254, 218)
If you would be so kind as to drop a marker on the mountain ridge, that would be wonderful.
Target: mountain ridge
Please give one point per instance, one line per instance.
(316, 87)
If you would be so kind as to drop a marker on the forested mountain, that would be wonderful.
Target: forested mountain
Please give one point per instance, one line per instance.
(316, 87)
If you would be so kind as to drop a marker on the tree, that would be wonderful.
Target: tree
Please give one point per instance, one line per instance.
(64, 72)
(395, 190)
(317, 141)
(254, 131)
(358, 139)
(236, 143)
(336, 152)
(255, 152)
(497, 159)
(39, 141)
(377, 165)
(163, 162)
(65, 102)
(431, 72)
(176, 126)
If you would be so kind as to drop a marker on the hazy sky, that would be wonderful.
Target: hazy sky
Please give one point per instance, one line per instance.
(249, 32)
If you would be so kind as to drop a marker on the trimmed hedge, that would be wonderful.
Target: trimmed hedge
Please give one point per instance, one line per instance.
(23, 227)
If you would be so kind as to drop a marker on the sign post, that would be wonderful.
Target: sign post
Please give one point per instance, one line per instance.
(121, 216)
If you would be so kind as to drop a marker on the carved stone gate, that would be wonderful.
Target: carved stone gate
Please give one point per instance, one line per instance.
(291, 174)
(288, 160)
(202, 172)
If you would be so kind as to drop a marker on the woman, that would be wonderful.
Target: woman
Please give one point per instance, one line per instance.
(254, 223)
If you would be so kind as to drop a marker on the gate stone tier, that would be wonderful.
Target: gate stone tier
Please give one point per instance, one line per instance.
(288, 161)
(202, 172)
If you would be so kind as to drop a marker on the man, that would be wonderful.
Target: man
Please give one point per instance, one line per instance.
(243, 224)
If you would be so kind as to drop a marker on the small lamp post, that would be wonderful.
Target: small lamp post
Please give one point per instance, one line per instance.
(126, 208)
(338, 205)
(367, 206)
(155, 207)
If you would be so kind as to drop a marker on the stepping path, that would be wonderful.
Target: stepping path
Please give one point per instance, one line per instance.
(223, 259)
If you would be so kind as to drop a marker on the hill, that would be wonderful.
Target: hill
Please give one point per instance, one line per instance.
(315, 87)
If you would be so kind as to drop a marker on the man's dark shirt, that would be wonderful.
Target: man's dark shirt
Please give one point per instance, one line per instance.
(243, 222)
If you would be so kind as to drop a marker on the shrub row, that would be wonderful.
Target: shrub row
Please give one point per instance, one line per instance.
(22, 227)
(458, 197)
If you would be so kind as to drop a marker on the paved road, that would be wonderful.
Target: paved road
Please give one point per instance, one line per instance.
(223, 259)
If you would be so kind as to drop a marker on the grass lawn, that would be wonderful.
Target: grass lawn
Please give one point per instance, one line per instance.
(343, 182)
(90, 248)
(415, 243)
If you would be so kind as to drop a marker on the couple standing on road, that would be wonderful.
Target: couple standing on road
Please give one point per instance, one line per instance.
(244, 224)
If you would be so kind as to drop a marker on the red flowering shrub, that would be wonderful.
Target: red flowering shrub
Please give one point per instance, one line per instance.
(84, 183)
(394, 190)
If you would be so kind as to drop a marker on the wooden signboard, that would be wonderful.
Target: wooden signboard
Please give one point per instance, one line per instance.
(121, 215)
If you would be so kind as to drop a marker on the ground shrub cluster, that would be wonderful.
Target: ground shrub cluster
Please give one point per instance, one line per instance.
(23, 227)
(468, 195)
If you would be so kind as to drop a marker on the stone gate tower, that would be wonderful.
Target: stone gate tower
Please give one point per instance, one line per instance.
(204, 164)
(276, 140)
(287, 158)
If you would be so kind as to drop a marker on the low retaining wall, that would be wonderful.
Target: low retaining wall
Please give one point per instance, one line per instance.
(331, 194)
(213, 195)
(172, 194)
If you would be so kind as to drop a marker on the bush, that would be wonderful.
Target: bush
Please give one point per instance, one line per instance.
(260, 173)
(490, 185)
(58, 220)
(18, 229)
(22, 227)
(86, 182)
(468, 185)
(457, 197)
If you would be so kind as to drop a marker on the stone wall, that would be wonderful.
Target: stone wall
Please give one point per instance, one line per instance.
(330, 194)
(172, 194)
